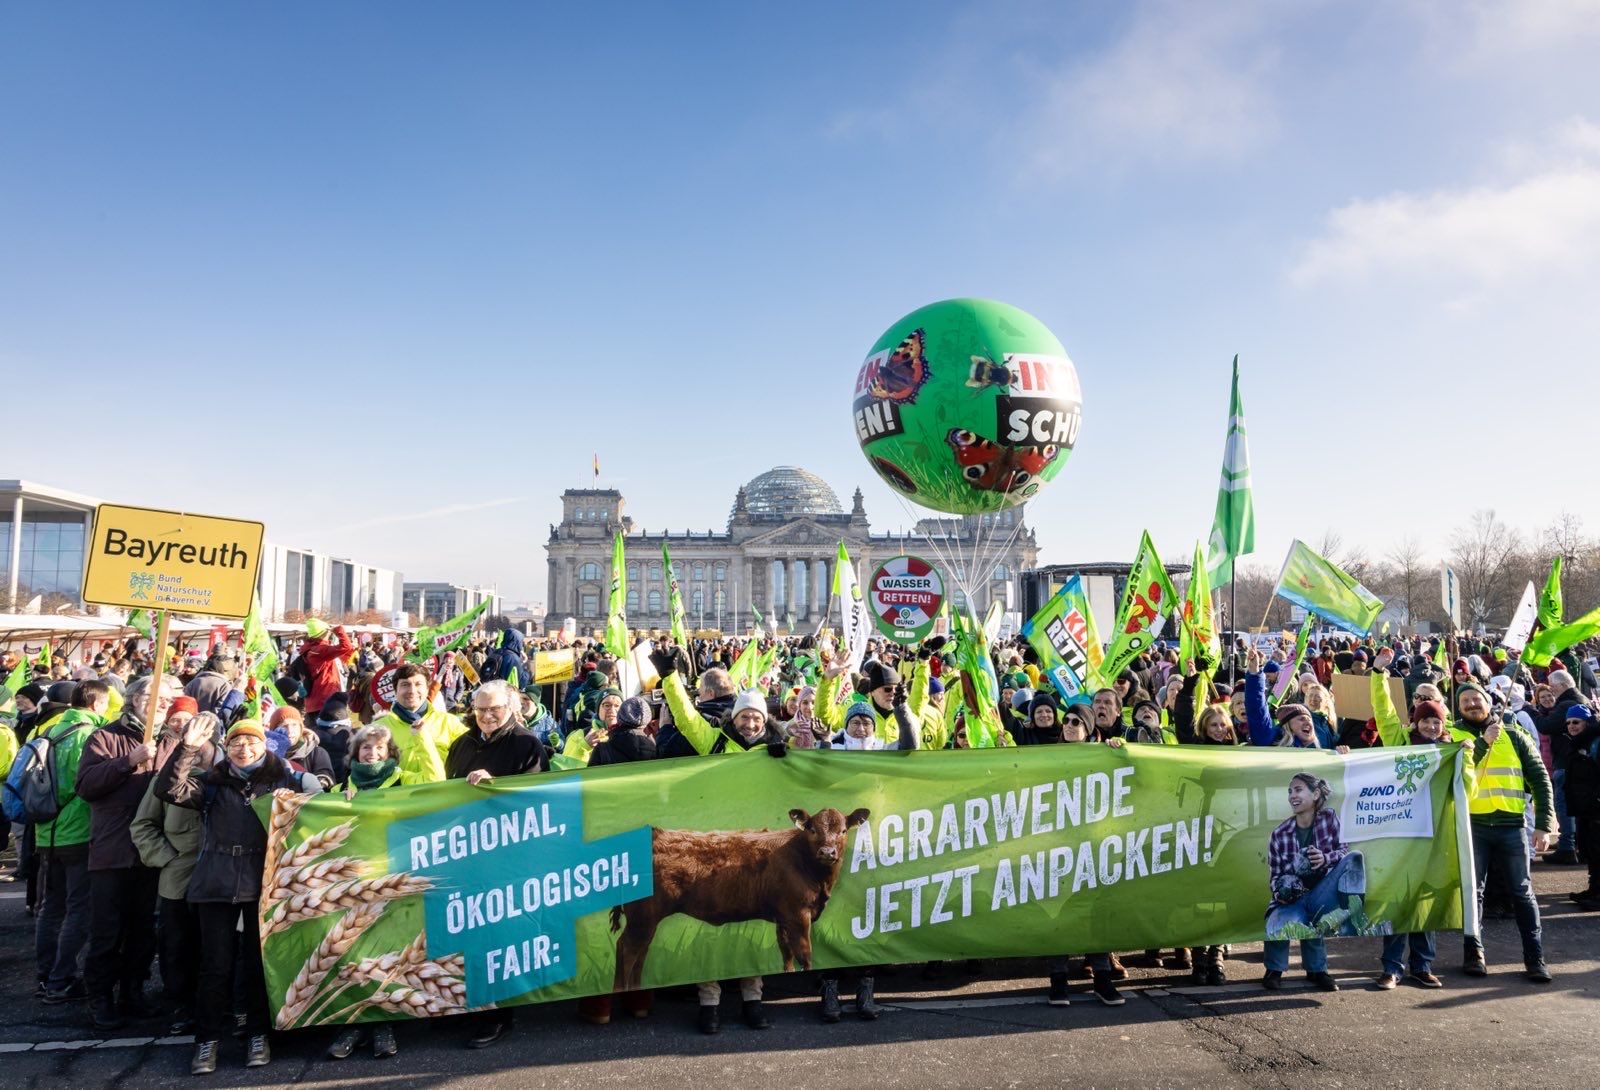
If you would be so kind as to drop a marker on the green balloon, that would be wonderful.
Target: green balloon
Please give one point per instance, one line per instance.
(968, 405)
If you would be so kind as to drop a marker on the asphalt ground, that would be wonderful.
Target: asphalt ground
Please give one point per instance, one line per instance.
(989, 1027)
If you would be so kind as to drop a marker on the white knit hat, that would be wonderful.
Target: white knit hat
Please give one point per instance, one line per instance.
(751, 699)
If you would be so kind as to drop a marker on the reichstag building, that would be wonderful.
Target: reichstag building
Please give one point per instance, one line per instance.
(777, 553)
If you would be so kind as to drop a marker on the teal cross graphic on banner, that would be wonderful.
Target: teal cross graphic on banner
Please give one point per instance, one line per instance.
(511, 876)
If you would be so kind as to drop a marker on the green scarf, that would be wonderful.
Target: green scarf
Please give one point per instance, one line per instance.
(367, 777)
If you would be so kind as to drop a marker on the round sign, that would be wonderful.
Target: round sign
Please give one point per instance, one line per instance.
(382, 687)
(905, 593)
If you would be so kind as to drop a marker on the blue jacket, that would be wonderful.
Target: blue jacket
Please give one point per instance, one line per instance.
(1263, 730)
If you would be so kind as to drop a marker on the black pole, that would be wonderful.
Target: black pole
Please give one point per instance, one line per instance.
(1233, 601)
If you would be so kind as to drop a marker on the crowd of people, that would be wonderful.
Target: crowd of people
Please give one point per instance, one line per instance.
(151, 854)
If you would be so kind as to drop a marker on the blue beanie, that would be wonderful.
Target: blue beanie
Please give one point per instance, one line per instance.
(1580, 711)
(935, 686)
(860, 707)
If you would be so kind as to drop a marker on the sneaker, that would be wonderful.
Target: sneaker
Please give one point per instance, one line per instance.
(710, 1019)
(1537, 972)
(831, 1011)
(383, 1042)
(1427, 980)
(258, 1053)
(345, 1044)
(1387, 982)
(1324, 981)
(205, 1058)
(1058, 991)
(867, 1008)
(755, 1016)
(41, 988)
(1272, 980)
(488, 1033)
(1106, 991)
(74, 992)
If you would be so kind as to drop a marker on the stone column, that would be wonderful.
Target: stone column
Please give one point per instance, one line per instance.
(821, 588)
(793, 588)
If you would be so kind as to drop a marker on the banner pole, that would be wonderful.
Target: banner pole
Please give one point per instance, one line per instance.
(155, 689)
(1233, 602)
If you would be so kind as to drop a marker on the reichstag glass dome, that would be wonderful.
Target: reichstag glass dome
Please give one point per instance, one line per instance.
(789, 491)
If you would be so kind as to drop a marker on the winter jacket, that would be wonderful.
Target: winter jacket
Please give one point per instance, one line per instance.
(623, 746)
(1582, 785)
(322, 664)
(508, 656)
(211, 691)
(423, 745)
(309, 756)
(233, 841)
(168, 838)
(1553, 725)
(68, 734)
(681, 738)
(334, 740)
(113, 786)
(510, 751)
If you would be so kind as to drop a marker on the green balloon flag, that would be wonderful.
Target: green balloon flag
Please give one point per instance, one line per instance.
(967, 406)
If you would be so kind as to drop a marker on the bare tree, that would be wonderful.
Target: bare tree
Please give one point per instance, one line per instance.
(1482, 553)
(1409, 576)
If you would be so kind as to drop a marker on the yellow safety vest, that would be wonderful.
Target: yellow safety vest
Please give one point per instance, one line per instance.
(1499, 786)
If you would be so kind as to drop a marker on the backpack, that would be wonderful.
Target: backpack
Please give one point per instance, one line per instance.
(31, 791)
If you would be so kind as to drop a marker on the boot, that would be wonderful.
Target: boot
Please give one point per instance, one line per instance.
(755, 1016)
(710, 1019)
(866, 1006)
(104, 1012)
(831, 1011)
(205, 1058)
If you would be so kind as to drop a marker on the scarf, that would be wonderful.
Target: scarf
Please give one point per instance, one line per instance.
(370, 775)
(871, 741)
(408, 716)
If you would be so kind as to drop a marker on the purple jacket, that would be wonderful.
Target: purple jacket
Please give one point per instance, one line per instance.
(113, 786)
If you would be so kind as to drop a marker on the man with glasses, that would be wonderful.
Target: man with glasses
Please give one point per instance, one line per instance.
(498, 745)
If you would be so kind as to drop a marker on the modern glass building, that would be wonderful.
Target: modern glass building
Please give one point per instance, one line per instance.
(42, 536)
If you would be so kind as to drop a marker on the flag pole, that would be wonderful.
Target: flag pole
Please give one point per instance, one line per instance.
(1233, 601)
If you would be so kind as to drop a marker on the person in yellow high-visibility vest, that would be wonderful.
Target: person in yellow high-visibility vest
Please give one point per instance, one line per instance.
(1508, 769)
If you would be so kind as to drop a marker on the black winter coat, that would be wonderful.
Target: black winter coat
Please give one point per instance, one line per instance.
(623, 746)
(233, 842)
(1582, 784)
(510, 752)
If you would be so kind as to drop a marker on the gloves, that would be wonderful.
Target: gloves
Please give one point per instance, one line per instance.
(899, 695)
(777, 749)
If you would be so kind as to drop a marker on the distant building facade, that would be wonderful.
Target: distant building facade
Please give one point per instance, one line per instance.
(777, 553)
(435, 603)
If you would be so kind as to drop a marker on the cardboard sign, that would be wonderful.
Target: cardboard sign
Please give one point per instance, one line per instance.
(550, 667)
(1352, 696)
(142, 558)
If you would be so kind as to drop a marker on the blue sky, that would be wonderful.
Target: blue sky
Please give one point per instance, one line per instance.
(385, 275)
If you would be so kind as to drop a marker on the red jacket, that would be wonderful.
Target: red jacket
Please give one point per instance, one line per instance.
(322, 663)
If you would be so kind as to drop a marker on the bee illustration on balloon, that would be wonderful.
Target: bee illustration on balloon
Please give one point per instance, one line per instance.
(987, 465)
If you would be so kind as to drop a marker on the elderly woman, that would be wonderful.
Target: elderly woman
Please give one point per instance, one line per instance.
(226, 884)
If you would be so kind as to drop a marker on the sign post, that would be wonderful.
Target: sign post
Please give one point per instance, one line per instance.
(146, 558)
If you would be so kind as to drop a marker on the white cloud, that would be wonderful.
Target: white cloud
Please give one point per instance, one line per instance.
(1543, 219)
(1185, 82)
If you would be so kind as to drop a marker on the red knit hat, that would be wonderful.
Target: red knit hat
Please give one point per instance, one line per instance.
(183, 704)
(1428, 709)
(283, 712)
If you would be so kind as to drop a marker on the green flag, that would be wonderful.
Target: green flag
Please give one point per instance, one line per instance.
(1550, 608)
(1198, 630)
(1441, 656)
(1064, 636)
(1319, 586)
(1549, 643)
(139, 621)
(43, 657)
(616, 617)
(1287, 675)
(450, 636)
(16, 679)
(680, 631)
(979, 690)
(759, 631)
(1147, 601)
(742, 672)
(264, 663)
(1233, 531)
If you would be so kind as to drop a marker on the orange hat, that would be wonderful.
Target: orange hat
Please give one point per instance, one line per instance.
(283, 712)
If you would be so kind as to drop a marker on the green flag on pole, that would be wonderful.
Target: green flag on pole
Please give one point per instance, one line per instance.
(759, 631)
(264, 662)
(1287, 675)
(1550, 607)
(1550, 642)
(1147, 601)
(140, 621)
(453, 634)
(1322, 587)
(1198, 631)
(616, 615)
(680, 633)
(1233, 531)
(16, 679)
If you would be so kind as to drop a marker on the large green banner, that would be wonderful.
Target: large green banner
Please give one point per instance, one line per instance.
(434, 899)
